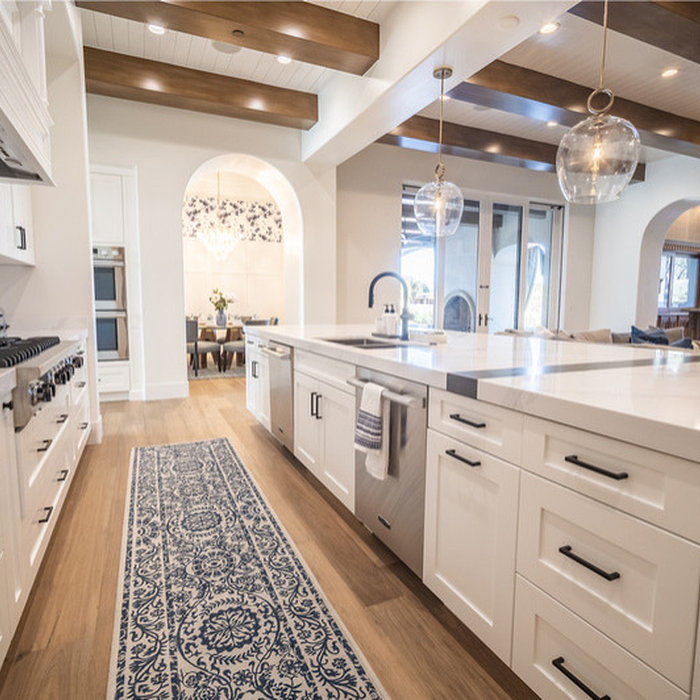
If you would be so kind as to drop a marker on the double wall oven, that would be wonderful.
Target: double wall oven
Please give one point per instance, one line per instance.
(110, 303)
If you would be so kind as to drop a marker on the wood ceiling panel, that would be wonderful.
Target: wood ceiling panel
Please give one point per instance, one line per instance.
(421, 133)
(657, 23)
(533, 94)
(119, 75)
(300, 30)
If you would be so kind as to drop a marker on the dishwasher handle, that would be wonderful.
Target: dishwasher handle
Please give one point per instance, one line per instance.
(403, 399)
(277, 353)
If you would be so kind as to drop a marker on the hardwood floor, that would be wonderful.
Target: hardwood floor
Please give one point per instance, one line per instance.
(61, 649)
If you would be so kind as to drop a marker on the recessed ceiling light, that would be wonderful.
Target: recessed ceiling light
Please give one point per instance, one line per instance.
(238, 32)
(549, 28)
(156, 29)
(669, 73)
(550, 123)
(284, 59)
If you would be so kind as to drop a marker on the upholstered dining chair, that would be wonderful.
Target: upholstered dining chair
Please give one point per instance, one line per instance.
(196, 347)
(237, 347)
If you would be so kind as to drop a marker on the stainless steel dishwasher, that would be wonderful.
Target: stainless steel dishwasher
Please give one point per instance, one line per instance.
(280, 360)
(393, 508)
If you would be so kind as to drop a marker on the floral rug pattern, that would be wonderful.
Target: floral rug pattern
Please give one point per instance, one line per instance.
(216, 604)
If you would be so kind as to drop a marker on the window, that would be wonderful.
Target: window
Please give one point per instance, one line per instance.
(678, 280)
(501, 267)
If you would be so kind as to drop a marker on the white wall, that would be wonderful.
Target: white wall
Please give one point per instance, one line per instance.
(167, 146)
(369, 223)
(626, 258)
(56, 294)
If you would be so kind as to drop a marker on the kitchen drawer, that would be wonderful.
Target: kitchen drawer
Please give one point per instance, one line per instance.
(37, 448)
(37, 527)
(80, 426)
(331, 371)
(471, 517)
(545, 631)
(53, 468)
(113, 377)
(659, 488)
(490, 428)
(648, 602)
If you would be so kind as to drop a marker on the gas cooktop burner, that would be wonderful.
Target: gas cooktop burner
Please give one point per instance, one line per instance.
(16, 350)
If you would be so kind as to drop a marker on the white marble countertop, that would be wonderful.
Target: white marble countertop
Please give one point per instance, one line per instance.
(656, 405)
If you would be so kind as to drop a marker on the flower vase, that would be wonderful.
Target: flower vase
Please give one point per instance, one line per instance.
(221, 317)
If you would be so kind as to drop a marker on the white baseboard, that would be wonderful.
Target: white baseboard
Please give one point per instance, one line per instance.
(96, 431)
(137, 395)
(114, 396)
(167, 390)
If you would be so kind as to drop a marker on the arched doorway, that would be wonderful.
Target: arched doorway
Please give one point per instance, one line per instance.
(271, 180)
(650, 258)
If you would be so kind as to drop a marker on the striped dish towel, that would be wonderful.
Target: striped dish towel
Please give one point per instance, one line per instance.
(372, 430)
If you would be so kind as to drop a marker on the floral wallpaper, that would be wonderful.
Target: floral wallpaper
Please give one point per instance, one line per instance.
(256, 220)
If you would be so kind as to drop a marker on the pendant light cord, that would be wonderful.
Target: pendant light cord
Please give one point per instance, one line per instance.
(440, 168)
(605, 44)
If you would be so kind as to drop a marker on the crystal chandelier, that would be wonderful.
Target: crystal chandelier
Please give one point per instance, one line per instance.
(218, 239)
(597, 158)
(438, 205)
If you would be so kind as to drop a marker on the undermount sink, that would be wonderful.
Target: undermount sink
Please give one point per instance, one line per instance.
(364, 343)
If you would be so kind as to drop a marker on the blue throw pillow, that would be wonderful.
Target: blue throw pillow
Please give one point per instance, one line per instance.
(683, 343)
(655, 336)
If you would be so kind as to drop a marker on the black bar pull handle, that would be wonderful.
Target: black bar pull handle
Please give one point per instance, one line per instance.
(48, 510)
(83, 426)
(64, 475)
(607, 575)
(318, 412)
(454, 455)
(62, 418)
(81, 385)
(45, 446)
(312, 403)
(558, 663)
(618, 476)
(466, 421)
(9, 405)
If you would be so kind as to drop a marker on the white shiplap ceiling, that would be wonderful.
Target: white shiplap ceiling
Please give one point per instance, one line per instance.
(126, 36)
(633, 68)
(573, 53)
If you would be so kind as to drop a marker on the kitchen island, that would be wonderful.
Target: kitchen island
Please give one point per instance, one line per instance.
(558, 502)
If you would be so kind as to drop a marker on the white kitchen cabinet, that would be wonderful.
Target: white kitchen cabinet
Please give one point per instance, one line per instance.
(258, 384)
(471, 506)
(637, 584)
(113, 377)
(546, 632)
(16, 227)
(107, 208)
(324, 424)
(307, 431)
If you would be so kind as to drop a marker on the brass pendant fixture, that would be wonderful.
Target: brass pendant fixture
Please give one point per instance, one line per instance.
(597, 158)
(438, 205)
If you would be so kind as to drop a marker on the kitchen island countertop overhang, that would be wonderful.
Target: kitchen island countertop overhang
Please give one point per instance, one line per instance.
(640, 395)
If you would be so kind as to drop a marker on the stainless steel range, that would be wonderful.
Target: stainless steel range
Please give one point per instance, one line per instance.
(45, 368)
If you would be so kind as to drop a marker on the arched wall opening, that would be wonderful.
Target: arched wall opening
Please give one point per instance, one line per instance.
(271, 180)
(650, 257)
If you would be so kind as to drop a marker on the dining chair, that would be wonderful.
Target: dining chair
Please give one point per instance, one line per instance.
(197, 347)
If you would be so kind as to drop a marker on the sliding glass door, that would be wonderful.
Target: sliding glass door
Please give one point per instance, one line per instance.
(500, 270)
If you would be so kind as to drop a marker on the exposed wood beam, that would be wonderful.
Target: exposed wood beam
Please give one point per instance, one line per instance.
(527, 92)
(298, 30)
(671, 26)
(118, 75)
(421, 134)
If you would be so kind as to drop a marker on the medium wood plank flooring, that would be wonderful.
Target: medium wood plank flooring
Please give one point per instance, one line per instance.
(61, 649)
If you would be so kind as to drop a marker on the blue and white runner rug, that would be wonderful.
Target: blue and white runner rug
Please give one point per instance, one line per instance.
(215, 602)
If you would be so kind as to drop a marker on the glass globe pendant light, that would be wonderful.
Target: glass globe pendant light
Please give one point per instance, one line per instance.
(597, 158)
(218, 239)
(438, 205)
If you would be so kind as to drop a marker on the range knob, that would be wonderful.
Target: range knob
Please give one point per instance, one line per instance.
(60, 376)
(34, 393)
(78, 361)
